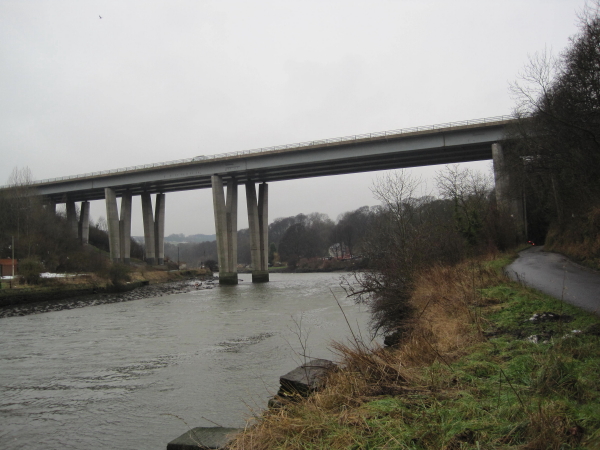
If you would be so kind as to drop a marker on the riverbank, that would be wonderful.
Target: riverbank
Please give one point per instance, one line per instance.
(486, 363)
(78, 292)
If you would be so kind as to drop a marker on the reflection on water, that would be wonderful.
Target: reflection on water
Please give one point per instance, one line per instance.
(126, 375)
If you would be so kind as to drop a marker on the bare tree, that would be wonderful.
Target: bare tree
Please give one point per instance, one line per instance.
(555, 150)
(469, 191)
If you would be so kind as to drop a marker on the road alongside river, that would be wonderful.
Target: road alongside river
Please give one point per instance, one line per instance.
(557, 276)
(127, 375)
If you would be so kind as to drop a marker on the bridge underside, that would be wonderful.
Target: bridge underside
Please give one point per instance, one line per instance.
(282, 172)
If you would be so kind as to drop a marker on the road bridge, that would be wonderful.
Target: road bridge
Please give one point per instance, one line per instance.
(471, 140)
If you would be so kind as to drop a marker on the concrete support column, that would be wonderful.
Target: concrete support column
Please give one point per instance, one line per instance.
(504, 199)
(71, 217)
(125, 228)
(84, 223)
(232, 205)
(51, 205)
(148, 219)
(225, 228)
(159, 229)
(263, 225)
(112, 221)
(258, 224)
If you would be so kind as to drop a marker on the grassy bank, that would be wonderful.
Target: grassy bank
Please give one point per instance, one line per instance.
(473, 372)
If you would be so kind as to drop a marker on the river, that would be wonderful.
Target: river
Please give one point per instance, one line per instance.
(136, 375)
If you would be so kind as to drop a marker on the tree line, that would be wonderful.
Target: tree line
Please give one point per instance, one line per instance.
(41, 240)
(553, 155)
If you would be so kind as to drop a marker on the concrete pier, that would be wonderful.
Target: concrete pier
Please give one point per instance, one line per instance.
(50, 205)
(505, 199)
(259, 231)
(226, 228)
(148, 220)
(159, 229)
(71, 217)
(84, 223)
(112, 221)
(125, 228)
(263, 226)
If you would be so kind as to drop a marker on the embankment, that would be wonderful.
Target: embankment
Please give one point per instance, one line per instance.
(485, 363)
(68, 295)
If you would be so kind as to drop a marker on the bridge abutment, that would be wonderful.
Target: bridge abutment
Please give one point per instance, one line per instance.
(226, 228)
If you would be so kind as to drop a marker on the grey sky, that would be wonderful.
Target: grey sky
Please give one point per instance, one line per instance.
(156, 81)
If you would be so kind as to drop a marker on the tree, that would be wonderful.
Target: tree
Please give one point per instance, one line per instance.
(351, 229)
(273, 256)
(469, 192)
(555, 147)
(391, 248)
(300, 242)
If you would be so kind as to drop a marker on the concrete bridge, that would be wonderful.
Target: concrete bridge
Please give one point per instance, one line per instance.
(471, 140)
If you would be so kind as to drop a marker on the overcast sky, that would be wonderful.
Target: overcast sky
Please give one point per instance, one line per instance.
(155, 81)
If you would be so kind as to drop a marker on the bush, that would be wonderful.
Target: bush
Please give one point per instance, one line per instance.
(30, 269)
(212, 265)
(119, 273)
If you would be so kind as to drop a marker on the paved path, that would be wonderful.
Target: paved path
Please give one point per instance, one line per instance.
(559, 277)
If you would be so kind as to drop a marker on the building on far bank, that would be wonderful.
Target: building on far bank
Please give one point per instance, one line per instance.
(6, 267)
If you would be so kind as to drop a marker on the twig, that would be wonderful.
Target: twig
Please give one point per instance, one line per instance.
(345, 318)
(514, 390)
(215, 423)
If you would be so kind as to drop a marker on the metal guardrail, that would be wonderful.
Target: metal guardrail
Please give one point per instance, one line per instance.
(281, 147)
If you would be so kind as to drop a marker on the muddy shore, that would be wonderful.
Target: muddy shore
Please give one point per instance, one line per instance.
(153, 290)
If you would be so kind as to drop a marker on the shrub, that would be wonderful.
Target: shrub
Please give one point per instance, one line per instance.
(212, 265)
(119, 273)
(30, 269)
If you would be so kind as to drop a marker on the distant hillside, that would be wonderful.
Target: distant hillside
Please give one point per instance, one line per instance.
(191, 238)
(178, 238)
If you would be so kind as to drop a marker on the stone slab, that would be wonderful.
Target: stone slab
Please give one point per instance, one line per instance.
(306, 378)
(203, 438)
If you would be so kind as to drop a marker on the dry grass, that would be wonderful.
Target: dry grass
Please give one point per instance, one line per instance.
(447, 322)
(580, 240)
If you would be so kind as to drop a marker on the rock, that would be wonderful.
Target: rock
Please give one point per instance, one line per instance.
(305, 379)
(203, 438)
(277, 402)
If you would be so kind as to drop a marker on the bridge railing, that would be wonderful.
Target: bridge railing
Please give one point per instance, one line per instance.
(281, 147)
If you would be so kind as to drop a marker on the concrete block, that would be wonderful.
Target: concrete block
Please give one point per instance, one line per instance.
(203, 438)
(305, 379)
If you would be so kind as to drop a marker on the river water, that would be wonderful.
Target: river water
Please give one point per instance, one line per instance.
(136, 375)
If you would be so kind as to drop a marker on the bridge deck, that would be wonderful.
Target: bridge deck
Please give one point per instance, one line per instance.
(441, 144)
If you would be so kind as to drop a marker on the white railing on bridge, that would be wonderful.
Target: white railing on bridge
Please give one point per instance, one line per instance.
(281, 147)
